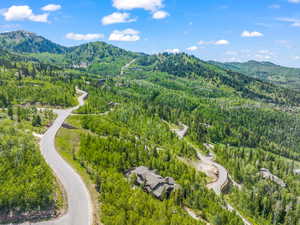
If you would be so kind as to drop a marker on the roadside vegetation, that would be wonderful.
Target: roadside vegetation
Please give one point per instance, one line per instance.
(146, 100)
(28, 187)
(127, 122)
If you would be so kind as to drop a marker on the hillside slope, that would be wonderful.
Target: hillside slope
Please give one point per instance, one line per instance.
(247, 124)
(28, 42)
(46, 51)
(186, 66)
(284, 76)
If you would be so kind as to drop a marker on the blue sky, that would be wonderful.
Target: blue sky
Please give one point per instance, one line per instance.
(223, 30)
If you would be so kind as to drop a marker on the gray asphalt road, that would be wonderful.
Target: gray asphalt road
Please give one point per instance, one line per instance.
(220, 183)
(80, 208)
(222, 179)
(222, 174)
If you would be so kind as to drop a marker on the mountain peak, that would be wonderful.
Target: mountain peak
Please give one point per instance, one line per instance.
(28, 42)
(19, 34)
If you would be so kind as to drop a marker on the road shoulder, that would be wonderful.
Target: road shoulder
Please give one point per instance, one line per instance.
(67, 142)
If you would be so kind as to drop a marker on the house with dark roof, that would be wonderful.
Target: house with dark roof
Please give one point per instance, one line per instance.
(152, 183)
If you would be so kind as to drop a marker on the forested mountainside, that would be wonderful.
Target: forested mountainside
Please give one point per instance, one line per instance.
(183, 65)
(280, 75)
(27, 42)
(94, 56)
(135, 105)
(28, 187)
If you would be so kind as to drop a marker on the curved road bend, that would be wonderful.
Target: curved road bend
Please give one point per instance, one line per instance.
(218, 185)
(222, 180)
(80, 210)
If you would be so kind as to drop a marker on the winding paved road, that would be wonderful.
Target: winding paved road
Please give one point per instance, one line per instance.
(222, 180)
(223, 176)
(220, 183)
(80, 210)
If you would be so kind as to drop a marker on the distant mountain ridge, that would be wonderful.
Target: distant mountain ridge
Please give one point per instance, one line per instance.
(96, 51)
(28, 42)
(107, 60)
(268, 71)
(190, 67)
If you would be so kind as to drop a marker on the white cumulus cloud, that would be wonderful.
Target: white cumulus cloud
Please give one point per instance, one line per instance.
(192, 48)
(221, 42)
(294, 1)
(251, 34)
(51, 7)
(128, 35)
(84, 37)
(158, 15)
(174, 50)
(117, 17)
(150, 5)
(218, 42)
(24, 12)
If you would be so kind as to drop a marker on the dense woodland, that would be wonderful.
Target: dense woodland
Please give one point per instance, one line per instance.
(264, 129)
(127, 122)
(26, 184)
(277, 205)
(130, 137)
(280, 75)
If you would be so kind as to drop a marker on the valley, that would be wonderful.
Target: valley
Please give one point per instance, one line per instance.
(175, 114)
